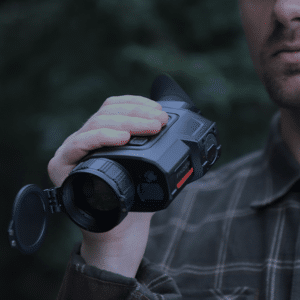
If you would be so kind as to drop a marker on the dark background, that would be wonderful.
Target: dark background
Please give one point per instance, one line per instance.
(60, 60)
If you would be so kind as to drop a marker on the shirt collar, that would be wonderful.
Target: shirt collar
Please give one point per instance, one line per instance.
(279, 170)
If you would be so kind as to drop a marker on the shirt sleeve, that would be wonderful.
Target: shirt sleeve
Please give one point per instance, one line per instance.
(82, 281)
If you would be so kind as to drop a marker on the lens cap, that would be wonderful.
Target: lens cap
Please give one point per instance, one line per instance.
(30, 216)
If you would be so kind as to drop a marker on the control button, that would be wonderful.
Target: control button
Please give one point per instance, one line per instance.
(211, 148)
(138, 141)
(211, 153)
(205, 164)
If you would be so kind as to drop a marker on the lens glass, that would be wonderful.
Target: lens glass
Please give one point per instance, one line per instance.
(91, 192)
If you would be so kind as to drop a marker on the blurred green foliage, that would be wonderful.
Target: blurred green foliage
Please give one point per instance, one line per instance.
(60, 60)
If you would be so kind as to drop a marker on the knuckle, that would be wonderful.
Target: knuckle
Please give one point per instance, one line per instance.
(133, 99)
(89, 124)
(136, 109)
(110, 109)
(109, 100)
(74, 144)
(93, 123)
(50, 165)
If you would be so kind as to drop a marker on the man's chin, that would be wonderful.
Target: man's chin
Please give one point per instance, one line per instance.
(284, 91)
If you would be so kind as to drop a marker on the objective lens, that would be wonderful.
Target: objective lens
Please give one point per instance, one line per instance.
(95, 192)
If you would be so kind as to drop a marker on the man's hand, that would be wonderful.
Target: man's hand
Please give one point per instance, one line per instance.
(121, 249)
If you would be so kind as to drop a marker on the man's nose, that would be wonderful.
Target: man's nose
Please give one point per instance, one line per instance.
(287, 12)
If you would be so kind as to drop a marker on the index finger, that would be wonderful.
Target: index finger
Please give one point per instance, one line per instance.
(131, 99)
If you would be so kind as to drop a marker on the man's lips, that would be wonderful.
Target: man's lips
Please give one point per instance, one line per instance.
(286, 48)
(286, 51)
(289, 56)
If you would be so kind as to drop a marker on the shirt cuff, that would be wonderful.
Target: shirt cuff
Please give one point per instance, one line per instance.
(82, 281)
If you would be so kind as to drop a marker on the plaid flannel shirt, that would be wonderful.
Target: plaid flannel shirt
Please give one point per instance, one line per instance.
(233, 234)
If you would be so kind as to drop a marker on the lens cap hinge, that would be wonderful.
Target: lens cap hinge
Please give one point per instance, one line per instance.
(54, 204)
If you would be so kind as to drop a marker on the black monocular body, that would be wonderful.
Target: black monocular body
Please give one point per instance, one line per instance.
(145, 175)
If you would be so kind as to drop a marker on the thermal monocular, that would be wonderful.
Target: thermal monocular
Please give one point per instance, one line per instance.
(144, 175)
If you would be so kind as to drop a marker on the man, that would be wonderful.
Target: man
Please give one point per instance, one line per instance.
(233, 234)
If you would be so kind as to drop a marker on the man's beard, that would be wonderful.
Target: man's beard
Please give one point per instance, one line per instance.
(279, 91)
(288, 101)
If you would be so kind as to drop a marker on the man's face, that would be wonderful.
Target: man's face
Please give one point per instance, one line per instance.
(271, 26)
